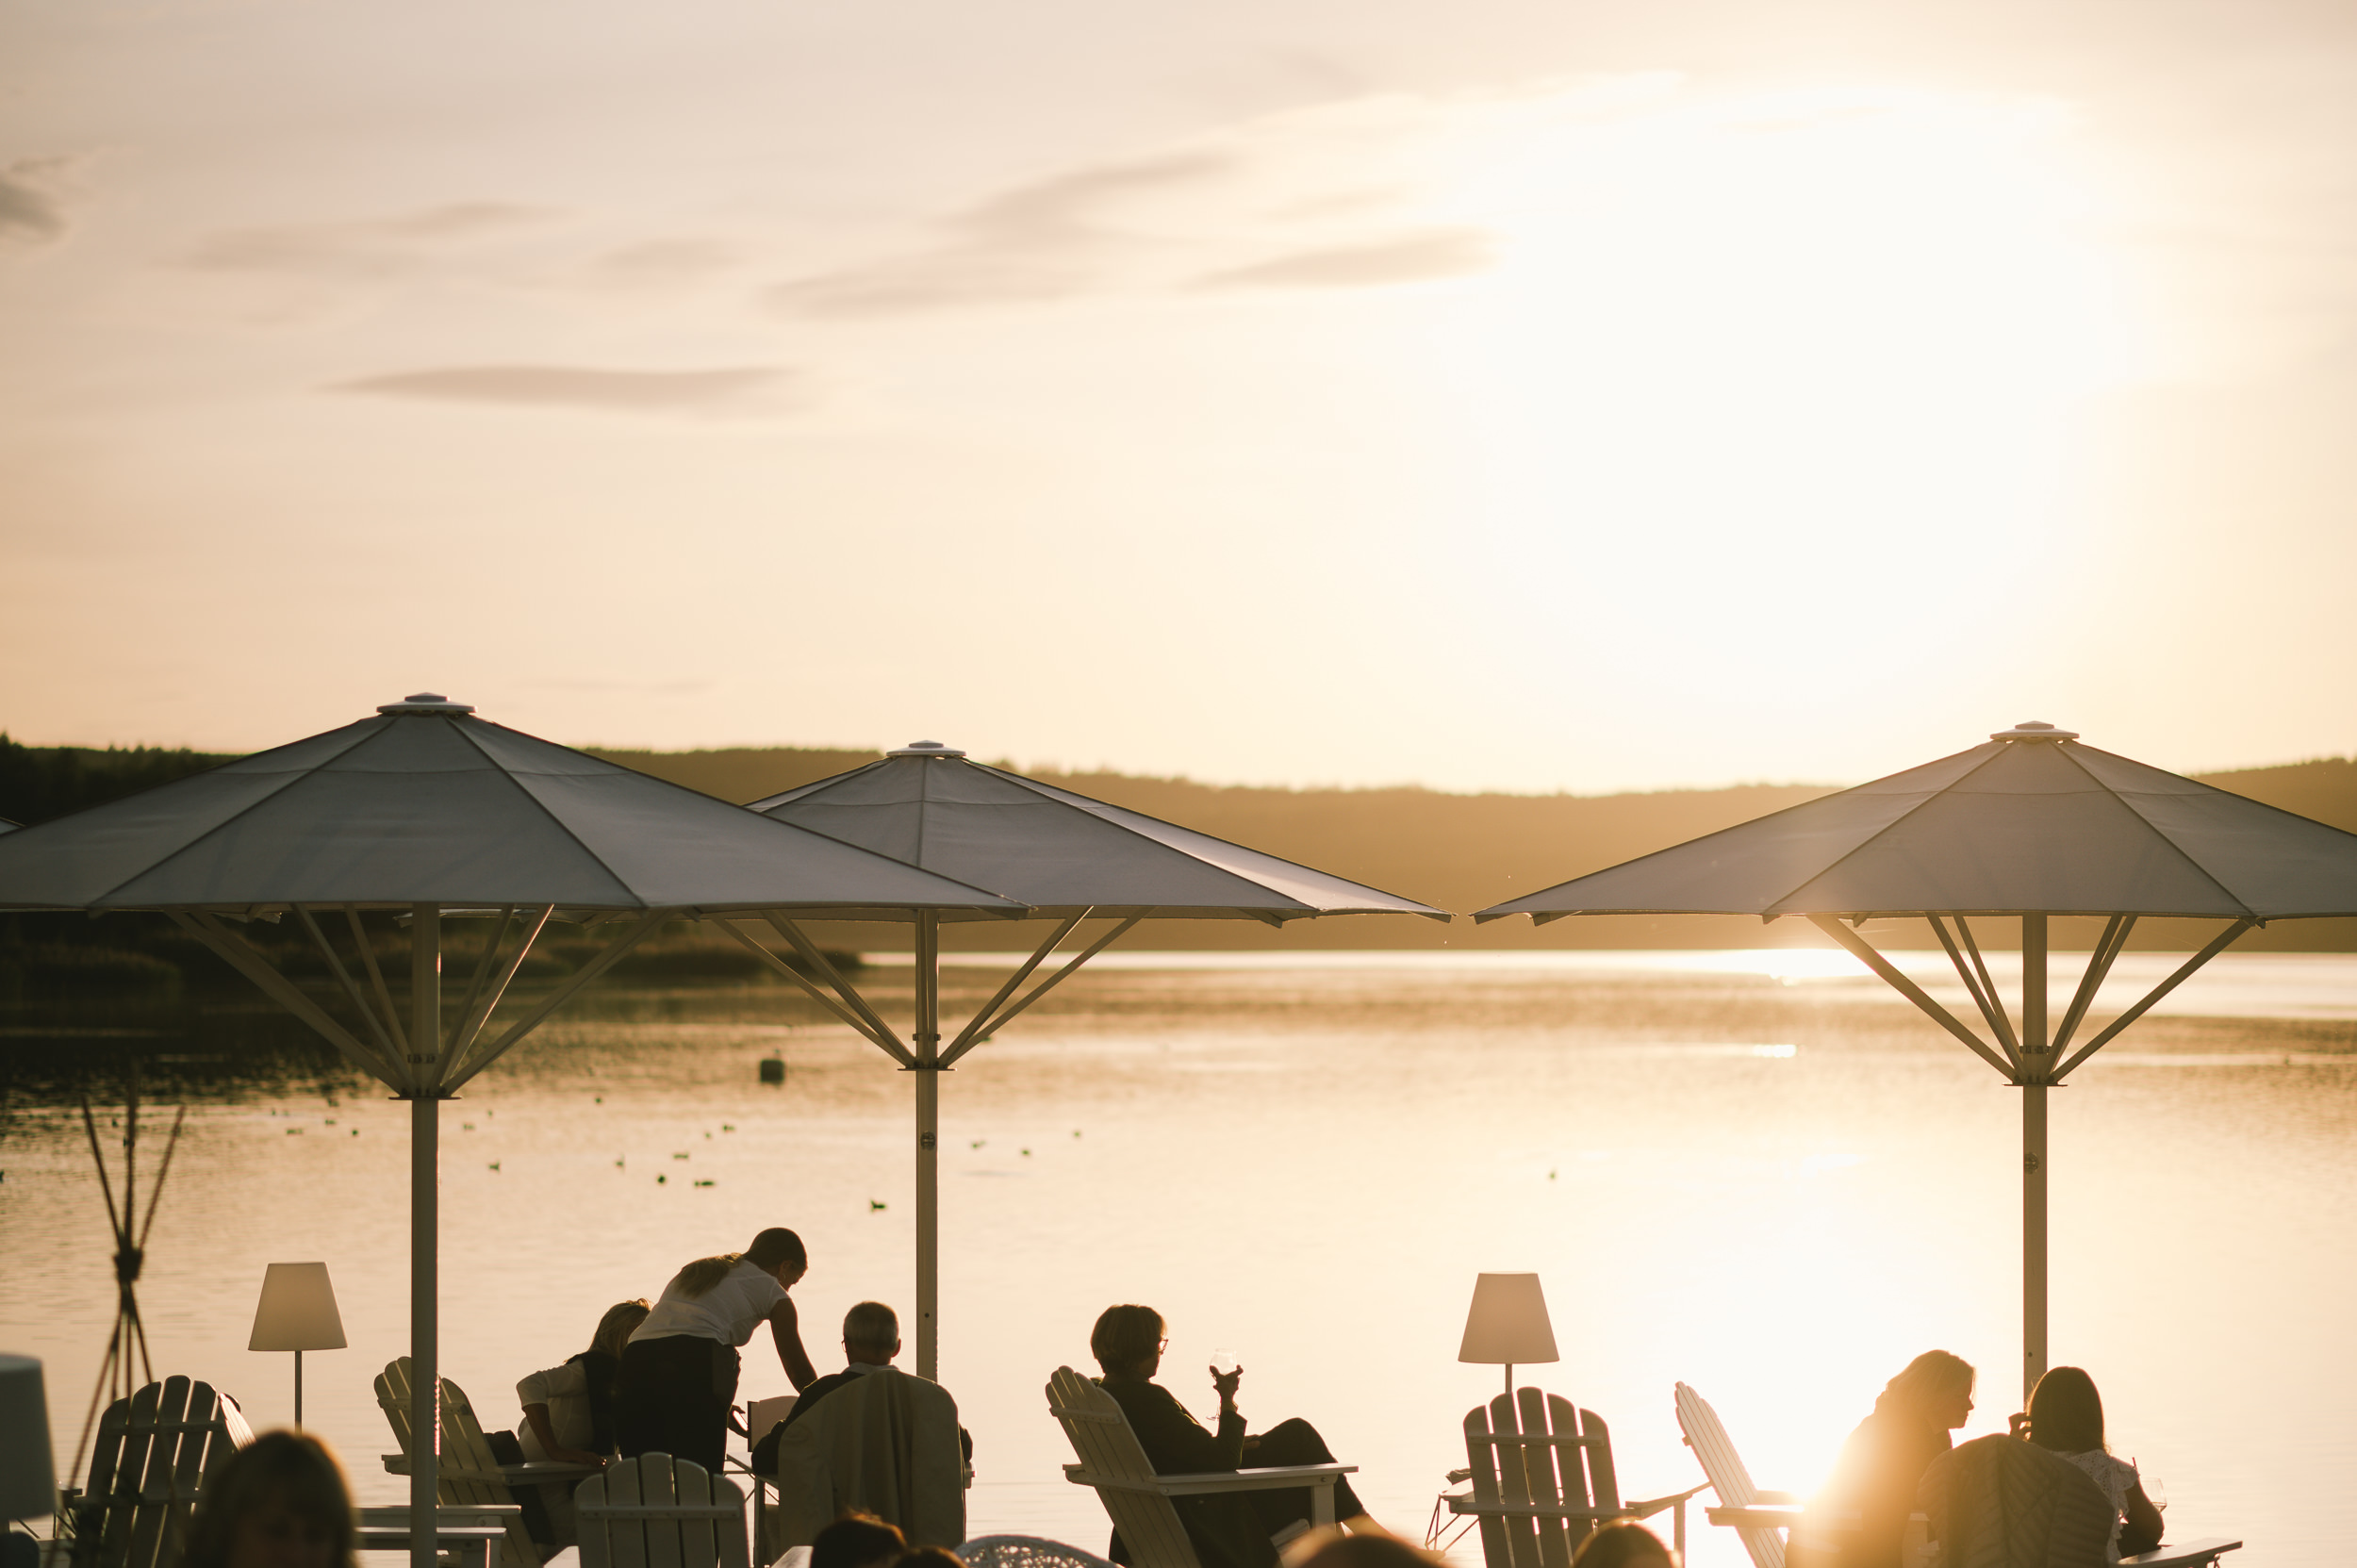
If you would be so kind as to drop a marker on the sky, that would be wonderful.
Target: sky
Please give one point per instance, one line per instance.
(1531, 396)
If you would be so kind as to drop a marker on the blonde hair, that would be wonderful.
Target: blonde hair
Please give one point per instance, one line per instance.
(1930, 1377)
(620, 1321)
(697, 1278)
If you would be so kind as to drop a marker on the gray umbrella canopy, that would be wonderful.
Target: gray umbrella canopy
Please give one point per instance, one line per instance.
(430, 811)
(426, 803)
(1059, 851)
(1067, 856)
(2031, 825)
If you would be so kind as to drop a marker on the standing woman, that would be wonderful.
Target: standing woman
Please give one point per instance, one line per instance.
(1885, 1457)
(2066, 1416)
(679, 1370)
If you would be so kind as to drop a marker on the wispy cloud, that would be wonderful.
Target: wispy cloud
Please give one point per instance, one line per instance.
(30, 211)
(723, 389)
(362, 247)
(1412, 258)
(1044, 239)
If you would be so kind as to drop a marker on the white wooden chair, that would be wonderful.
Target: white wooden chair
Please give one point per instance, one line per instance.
(153, 1454)
(1136, 1499)
(656, 1512)
(1739, 1499)
(467, 1471)
(1542, 1479)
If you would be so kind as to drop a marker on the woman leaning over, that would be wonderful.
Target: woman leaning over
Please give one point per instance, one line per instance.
(1864, 1507)
(680, 1367)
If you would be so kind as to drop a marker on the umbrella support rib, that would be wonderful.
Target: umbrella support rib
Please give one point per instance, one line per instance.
(376, 979)
(478, 1011)
(2184, 972)
(351, 987)
(859, 1026)
(483, 967)
(1976, 985)
(1832, 926)
(239, 955)
(1062, 974)
(614, 953)
(974, 1027)
(877, 1028)
(2107, 949)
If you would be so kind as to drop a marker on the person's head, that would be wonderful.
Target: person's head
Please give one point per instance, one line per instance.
(620, 1321)
(1329, 1548)
(2066, 1412)
(930, 1556)
(857, 1541)
(871, 1334)
(1128, 1341)
(280, 1502)
(779, 1251)
(1623, 1545)
(1936, 1389)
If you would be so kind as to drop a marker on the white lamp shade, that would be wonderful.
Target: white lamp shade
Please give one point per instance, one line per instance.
(297, 1311)
(1508, 1324)
(28, 1482)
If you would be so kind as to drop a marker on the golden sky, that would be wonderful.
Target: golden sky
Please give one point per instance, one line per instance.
(1518, 395)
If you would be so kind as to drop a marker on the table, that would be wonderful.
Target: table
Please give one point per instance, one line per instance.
(474, 1530)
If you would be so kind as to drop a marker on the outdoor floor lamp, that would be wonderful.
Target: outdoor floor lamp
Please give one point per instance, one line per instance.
(1508, 1324)
(28, 1487)
(296, 1312)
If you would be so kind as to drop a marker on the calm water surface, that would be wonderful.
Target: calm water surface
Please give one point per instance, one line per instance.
(1758, 1174)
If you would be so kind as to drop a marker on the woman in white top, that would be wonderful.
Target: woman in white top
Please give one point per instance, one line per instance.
(679, 1368)
(2066, 1416)
(569, 1410)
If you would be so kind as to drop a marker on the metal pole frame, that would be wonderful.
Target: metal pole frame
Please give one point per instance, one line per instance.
(2031, 1060)
(928, 1060)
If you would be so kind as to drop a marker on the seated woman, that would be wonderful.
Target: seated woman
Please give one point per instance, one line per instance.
(1876, 1475)
(568, 1412)
(1229, 1530)
(280, 1502)
(2065, 1417)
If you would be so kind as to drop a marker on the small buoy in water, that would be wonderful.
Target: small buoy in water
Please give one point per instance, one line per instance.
(495, 1165)
(597, 1100)
(980, 1142)
(660, 1179)
(356, 1131)
(1027, 1154)
(874, 1204)
(618, 1165)
(773, 1069)
(1550, 1176)
(1076, 1132)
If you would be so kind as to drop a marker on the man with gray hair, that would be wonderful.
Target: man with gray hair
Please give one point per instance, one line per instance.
(871, 1337)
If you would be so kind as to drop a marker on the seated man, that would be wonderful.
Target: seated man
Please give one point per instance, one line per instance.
(1229, 1530)
(870, 1438)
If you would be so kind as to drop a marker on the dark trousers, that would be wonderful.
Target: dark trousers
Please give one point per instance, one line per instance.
(674, 1398)
(1293, 1442)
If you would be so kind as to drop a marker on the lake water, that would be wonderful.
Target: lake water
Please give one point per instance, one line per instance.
(1758, 1173)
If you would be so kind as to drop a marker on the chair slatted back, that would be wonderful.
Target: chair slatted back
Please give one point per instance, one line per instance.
(154, 1452)
(1729, 1479)
(1101, 1436)
(1537, 1451)
(467, 1471)
(656, 1512)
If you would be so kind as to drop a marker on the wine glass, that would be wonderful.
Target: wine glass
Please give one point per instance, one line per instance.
(1222, 1362)
(2155, 1489)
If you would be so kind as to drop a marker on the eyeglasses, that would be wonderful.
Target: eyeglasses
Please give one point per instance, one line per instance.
(1162, 1344)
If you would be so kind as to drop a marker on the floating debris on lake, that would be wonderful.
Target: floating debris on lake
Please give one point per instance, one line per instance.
(704, 1183)
(660, 1179)
(681, 1154)
(495, 1165)
(773, 1069)
(874, 1204)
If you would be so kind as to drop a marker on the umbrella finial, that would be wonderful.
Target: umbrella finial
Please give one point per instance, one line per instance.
(925, 749)
(425, 701)
(2034, 729)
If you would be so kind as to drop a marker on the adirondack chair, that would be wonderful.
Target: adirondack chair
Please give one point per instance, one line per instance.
(154, 1452)
(1730, 1479)
(1542, 1479)
(1138, 1500)
(656, 1512)
(467, 1471)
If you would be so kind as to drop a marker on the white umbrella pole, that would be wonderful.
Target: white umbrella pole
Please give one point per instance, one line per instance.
(2037, 1066)
(425, 1105)
(927, 1071)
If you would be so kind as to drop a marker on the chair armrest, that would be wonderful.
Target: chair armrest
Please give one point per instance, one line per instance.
(1757, 1516)
(1647, 1507)
(1760, 1496)
(1263, 1479)
(2192, 1552)
(1461, 1502)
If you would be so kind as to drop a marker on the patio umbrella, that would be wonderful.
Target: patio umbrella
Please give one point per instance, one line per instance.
(428, 812)
(2031, 825)
(1067, 856)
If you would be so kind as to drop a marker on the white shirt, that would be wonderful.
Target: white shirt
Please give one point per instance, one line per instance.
(2115, 1478)
(729, 1312)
